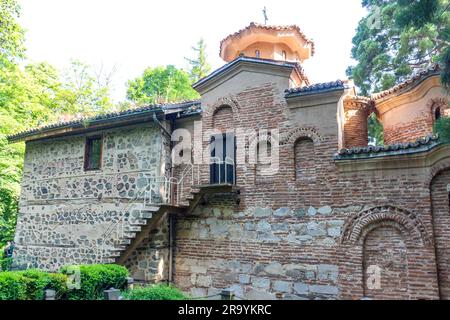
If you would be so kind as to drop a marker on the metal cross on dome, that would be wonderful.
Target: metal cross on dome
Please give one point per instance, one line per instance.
(265, 16)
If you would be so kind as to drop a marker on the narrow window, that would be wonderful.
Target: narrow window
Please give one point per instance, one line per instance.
(283, 54)
(93, 153)
(437, 114)
(257, 53)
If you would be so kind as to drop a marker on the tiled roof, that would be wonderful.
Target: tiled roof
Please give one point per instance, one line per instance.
(190, 107)
(274, 28)
(316, 88)
(416, 78)
(422, 144)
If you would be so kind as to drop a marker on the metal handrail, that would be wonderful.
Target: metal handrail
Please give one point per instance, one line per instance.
(227, 161)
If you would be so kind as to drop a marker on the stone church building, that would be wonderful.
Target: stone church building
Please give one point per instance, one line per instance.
(278, 194)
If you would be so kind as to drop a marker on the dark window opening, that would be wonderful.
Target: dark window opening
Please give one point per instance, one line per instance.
(284, 55)
(257, 53)
(437, 114)
(223, 159)
(93, 153)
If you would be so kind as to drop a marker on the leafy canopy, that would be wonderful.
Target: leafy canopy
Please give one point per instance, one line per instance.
(161, 85)
(396, 39)
(31, 96)
(199, 66)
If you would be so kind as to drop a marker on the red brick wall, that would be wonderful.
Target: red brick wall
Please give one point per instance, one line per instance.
(355, 124)
(385, 249)
(420, 126)
(214, 249)
(441, 220)
(305, 159)
(410, 131)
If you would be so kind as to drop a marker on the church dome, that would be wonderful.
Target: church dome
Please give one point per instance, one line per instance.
(286, 43)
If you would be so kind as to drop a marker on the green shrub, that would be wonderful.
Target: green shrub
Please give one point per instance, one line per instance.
(30, 284)
(442, 127)
(5, 264)
(155, 292)
(94, 279)
(12, 286)
(38, 281)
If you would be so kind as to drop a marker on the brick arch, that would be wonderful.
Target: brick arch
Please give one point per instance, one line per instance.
(435, 171)
(222, 118)
(220, 103)
(437, 102)
(440, 196)
(293, 135)
(357, 227)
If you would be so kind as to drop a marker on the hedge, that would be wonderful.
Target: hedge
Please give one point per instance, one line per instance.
(155, 292)
(95, 279)
(31, 284)
(5, 264)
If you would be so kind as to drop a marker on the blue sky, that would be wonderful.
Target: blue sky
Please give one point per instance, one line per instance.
(134, 34)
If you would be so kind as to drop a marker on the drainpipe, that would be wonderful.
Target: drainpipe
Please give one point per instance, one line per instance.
(161, 125)
(170, 248)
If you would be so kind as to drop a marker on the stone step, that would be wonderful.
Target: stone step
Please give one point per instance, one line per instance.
(124, 242)
(132, 228)
(115, 254)
(151, 208)
(119, 249)
(138, 222)
(146, 215)
(129, 235)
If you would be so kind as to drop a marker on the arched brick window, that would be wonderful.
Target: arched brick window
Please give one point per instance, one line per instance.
(223, 118)
(439, 108)
(385, 264)
(257, 53)
(304, 158)
(263, 157)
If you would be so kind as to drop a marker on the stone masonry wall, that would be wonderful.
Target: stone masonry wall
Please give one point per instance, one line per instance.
(71, 216)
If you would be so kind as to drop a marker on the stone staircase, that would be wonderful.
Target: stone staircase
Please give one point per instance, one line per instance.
(141, 223)
(150, 216)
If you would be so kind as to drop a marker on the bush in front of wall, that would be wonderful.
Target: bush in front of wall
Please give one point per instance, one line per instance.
(12, 286)
(154, 292)
(5, 264)
(30, 284)
(94, 279)
(37, 281)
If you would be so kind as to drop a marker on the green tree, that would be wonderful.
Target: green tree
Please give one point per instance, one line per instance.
(11, 33)
(161, 85)
(11, 51)
(81, 92)
(31, 96)
(199, 66)
(396, 39)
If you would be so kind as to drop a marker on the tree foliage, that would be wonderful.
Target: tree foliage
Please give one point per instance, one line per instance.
(31, 96)
(161, 85)
(396, 39)
(199, 66)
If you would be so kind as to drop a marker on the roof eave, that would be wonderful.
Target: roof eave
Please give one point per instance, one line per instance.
(229, 67)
